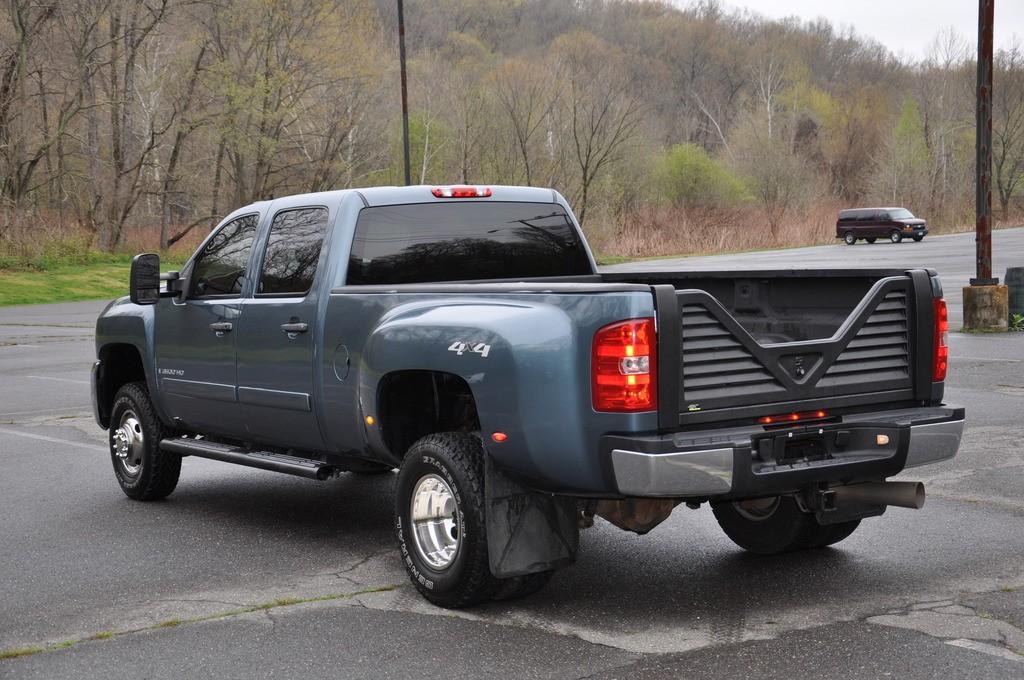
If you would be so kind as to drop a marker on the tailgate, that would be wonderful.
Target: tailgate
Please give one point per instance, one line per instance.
(713, 369)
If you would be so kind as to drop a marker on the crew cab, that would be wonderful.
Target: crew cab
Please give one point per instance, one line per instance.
(464, 336)
(871, 224)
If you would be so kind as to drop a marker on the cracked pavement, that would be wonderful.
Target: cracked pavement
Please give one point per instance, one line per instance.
(244, 573)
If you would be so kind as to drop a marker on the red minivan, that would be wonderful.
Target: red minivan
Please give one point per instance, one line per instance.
(870, 224)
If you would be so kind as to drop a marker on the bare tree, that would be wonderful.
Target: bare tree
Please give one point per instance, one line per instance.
(1008, 124)
(602, 108)
(526, 96)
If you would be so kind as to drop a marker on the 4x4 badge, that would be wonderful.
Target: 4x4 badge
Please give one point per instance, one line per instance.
(460, 348)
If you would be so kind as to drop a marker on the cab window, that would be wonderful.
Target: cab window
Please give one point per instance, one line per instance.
(293, 250)
(220, 268)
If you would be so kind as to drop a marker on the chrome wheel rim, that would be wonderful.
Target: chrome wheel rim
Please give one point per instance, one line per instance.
(757, 509)
(849, 238)
(436, 529)
(127, 443)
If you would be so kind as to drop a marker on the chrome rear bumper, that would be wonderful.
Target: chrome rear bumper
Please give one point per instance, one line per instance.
(729, 465)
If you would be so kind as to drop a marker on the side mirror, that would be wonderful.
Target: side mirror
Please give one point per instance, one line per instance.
(144, 284)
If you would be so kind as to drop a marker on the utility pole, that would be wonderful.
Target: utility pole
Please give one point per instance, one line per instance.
(405, 93)
(986, 303)
(983, 148)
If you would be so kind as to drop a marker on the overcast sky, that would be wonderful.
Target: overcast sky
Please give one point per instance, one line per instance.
(905, 26)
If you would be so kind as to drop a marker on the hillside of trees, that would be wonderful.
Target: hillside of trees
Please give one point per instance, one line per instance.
(128, 124)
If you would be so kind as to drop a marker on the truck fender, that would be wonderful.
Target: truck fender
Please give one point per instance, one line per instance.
(512, 356)
(124, 323)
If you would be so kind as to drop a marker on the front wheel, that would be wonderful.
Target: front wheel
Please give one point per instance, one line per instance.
(849, 239)
(918, 238)
(440, 520)
(143, 470)
(895, 236)
(768, 526)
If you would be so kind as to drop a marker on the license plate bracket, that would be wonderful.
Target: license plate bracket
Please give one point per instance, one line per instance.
(792, 447)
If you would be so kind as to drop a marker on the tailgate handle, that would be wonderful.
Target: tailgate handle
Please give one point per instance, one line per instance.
(295, 327)
(221, 327)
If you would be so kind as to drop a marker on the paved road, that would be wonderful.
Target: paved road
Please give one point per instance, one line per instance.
(163, 587)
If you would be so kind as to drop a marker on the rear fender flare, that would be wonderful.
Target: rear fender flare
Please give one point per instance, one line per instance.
(513, 355)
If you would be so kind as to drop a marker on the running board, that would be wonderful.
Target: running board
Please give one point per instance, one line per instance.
(264, 460)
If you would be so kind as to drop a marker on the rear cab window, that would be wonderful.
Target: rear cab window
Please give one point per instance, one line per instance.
(292, 253)
(464, 241)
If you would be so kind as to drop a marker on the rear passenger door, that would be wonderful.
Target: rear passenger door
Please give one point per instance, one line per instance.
(277, 330)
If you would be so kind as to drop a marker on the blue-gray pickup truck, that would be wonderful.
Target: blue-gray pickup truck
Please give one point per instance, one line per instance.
(464, 336)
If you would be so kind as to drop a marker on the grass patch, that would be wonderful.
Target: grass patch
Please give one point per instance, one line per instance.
(20, 651)
(103, 279)
(64, 284)
(612, 259)
(174, 623)
(169, 623)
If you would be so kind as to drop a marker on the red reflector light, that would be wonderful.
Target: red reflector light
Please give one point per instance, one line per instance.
(623, 367)
(792, 417)
(461, 192)
(499, 437)
(940, 363)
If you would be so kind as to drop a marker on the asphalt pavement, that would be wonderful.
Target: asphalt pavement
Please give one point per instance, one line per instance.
(249, 574)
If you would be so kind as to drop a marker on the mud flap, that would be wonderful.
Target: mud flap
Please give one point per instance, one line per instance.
(527, 532)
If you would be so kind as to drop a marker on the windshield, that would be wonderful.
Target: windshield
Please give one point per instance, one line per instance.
(900, 214)
(464, 241)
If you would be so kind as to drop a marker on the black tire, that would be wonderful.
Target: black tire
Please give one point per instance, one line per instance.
(918, 238)
(776, 527)
(871, 239)
(895, 236)
(144, 472)
(456, 459)
(833, 533)
(849, 239)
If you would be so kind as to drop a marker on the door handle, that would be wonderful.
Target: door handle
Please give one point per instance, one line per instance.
(221, 326)
(295, 327)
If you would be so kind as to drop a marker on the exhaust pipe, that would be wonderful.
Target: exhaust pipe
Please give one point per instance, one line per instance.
(900, 494)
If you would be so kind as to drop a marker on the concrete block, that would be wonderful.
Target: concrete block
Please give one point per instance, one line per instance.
(986, 308)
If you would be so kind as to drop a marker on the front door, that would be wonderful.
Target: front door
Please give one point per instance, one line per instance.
(195, 338)
(278, 327)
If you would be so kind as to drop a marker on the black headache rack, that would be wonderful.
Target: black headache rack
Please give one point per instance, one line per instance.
(880, 354)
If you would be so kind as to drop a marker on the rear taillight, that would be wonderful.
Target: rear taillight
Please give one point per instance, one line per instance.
(940, 357)
(623, 367)
(461, 192)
